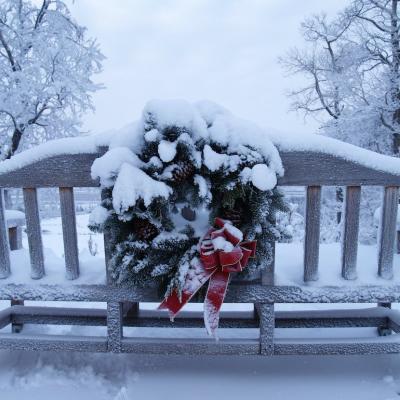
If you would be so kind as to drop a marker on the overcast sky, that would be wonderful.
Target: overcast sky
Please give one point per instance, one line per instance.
(221, 50)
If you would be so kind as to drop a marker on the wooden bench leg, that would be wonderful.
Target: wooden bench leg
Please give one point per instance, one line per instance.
(17, 328)
(384, 330)
(114, 326)
(266, 315)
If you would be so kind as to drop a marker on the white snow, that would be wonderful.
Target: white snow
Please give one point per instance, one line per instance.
(378, 215)
(220, 243)
(14, 214)
(179, 113)
(82, 376)
(213, 160)
(133, 184)
(98, 216)
(225, 129)
(92, 268)
(167, 150)
(78, 145)
(207, 120)
(203, 186)
(151, 136)
(322, 144)
(289, 266)
(246, 175)
(108, 166)
(14, 218)
(262, 177)
(237, 233)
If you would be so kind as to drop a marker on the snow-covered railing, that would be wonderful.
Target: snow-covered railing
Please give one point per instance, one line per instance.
(306, 163)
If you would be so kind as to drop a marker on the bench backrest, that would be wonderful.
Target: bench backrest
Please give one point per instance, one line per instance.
(312, 169)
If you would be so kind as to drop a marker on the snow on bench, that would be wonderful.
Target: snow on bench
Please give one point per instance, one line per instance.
(319, 274)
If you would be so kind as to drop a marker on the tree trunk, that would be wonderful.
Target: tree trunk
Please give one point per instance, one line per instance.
(15, 141)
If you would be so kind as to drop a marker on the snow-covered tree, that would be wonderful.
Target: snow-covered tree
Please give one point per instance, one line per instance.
(351, 67)
(352, 71)
(327, 63)
(46, 67)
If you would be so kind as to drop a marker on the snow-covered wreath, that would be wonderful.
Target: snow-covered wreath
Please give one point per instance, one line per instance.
(188, 194)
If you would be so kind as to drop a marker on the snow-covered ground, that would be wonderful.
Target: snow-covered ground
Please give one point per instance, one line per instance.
(47, 375)
(67, 376)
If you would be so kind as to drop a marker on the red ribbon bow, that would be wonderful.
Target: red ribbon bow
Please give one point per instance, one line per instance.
(222, 251)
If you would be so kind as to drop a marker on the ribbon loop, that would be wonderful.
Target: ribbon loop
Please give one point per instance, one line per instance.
(222, 251)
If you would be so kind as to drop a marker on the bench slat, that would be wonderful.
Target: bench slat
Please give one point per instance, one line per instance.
(387, 232)
(267, 326)
(69, 232)
(108, 243)
(350, 232)
(34, 232)
(114, 326)
(311, 240)
(5, 264)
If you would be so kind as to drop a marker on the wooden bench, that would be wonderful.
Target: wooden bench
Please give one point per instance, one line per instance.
(15, 220)
(69, 171)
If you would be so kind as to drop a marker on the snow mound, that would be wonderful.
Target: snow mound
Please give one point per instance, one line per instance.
(75, 145)
(290, 142)
(133, 184)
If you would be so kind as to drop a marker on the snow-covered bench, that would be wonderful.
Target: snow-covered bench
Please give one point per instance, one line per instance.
(66, 164)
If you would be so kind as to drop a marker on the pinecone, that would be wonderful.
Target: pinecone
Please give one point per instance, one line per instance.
(183, 171)
(145, 230)
(234, 215)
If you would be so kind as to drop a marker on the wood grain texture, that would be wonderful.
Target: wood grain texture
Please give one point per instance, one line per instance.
(34, 232)
(268, 273)
(266, 315)
(387, 232)
(15, 326)
(5, 265)
(108, 238)
(368, 317)
(15, 237)
(312, 228)
(350, 232)
(114, 326)
(15, 232)
(178, 346)
(70, 236)
(306, 168)
(52, 342)
(241, 293)
(51, 172)
(302, 168)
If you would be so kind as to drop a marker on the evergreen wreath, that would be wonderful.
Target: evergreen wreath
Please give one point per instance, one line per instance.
(165, 181)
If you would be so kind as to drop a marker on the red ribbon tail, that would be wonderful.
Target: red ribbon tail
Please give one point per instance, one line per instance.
(214, 299)
(195, 279)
